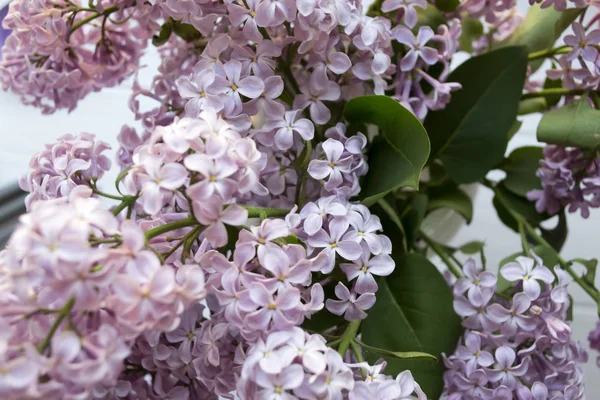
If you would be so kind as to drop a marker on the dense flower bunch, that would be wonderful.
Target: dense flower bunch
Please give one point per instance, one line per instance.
(185, 188)
(61, 166)
(569, 177)
(518, 346)
(237, 225)
(55, 56)
(77, 287)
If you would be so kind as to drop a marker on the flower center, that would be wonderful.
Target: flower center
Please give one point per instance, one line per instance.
(212, 178)
(334, 245)
(234, 87)
(364, 268)
(272, 306)
(278, 389)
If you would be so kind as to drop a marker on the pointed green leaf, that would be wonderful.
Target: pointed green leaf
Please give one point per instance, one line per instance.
(576, 124)
(414, 312)
(397, 158)
(453, 198)
(397, 354)
(472, 247)
(471, 133)
(541, 28)
(520, 169)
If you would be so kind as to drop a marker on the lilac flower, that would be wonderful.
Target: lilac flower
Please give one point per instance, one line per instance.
(335, 379)
(240, 15)
(514, 318)
(351, 306)
(314, 213)
(473, 354)
(211, 214)
(473, 383)
(282, 310)
(525, 269)
(197, 89)
(285, 127)
(333, 242)
(476, 317)
(416, 46)
(313, 94)
(582, 44)
(267, 100)
(559, 293)
(232, 84)
(334, 165)
(365, 267)
(216, 174)
(506, 373)
(407, 6)
(479, 284)
(275, 12)
(280, 386)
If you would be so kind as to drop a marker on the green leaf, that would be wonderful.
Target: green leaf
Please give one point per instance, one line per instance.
(392, 215)
(472, 247)
(548, 256)
(541, 28)
(186, 31)
(397, 354)
(413, 218)
(164, 34)
(534, 105)
(570, 309)
(553, 84)
(447, 5)
(450, 196)
(590, 269)
(397, 158)
(429, 16)
(414, 312)
(576, 124)
(514, 128)
(471, 133)
(557, 236)
(505, 201)
(472, 29)
(521, 168)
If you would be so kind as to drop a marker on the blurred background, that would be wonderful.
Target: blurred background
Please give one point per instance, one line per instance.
(24, 131)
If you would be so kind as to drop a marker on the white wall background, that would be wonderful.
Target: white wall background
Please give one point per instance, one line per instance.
(23, 131)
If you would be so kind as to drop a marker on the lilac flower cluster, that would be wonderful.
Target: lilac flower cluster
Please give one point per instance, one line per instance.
(569, 178)
(293, 364)
(77, 288)
(300, 54)
(55, 56)
(518, 346)
(594, 340)
(71, 161)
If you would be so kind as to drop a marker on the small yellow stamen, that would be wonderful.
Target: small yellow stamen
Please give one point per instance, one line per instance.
(234, 87)
(278, 389)
(331, 164)
(261, 240)
(252, 14)
(334, 245)
(364, 268)
(190, 335)
(272, 306)
(212, 178)
(281, 278)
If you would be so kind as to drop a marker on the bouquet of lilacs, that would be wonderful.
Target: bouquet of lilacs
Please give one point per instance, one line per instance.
(263, 238)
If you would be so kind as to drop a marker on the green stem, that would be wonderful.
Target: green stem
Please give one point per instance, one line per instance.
(524, 243)
(61, 316)
(171, 226)
(442, 254)
(589, 289)
(127, 201)
(348, 337)
(106, 12)
(107, 195)
(189, 235)
(553, 92)
(256, 212)
(549, 53)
